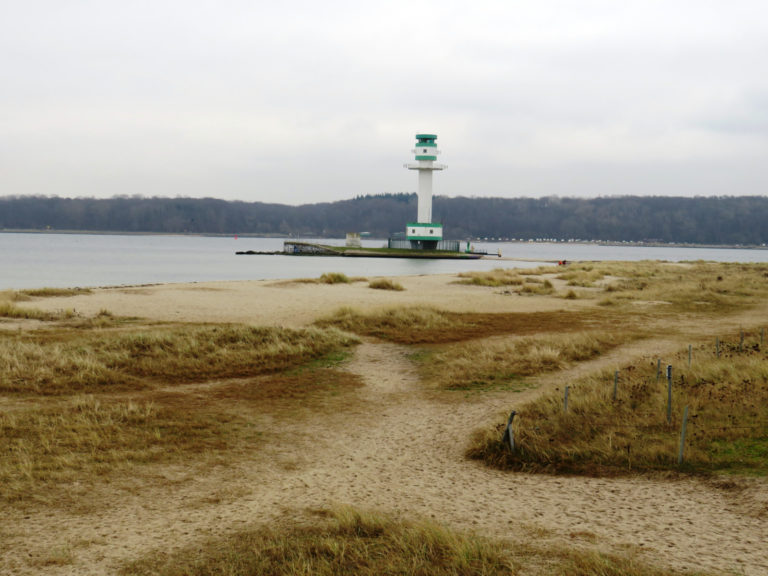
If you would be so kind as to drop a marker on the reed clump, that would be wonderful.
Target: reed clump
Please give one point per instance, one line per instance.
(726, 427)
(65, 362)
(487, 364)
(349, 541)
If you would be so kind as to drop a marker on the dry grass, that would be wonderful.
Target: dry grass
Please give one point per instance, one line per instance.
(54, 292)
(583, 275)
(75, 436)
(727, 422)
(496, 277)
(533, 286)
(326, 278)
(85, 437)
(348, 541)
(10, 310)
(669, 288)
(492, 364)
(62, 361)
(426, 325)
(385, 284)
(692, 287)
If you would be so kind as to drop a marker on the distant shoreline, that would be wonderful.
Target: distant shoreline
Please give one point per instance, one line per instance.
(483, 240)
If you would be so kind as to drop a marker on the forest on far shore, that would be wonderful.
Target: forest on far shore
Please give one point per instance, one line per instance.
(723, 220)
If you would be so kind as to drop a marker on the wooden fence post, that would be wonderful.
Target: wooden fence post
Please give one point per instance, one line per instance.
(682, 437)
(509, 434)
(669, 394)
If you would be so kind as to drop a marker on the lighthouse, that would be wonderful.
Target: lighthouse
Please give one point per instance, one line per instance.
(424, 233)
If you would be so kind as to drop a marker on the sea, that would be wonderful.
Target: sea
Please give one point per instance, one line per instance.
(56, 260)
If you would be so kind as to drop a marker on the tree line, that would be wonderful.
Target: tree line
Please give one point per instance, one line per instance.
(730, 220)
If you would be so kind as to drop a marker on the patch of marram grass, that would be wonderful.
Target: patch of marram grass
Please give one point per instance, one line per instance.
(486, 364)
(334, 278)
(427, 325)
(349, 541)
(496, 277)
(583, 275)
(10, 310)
(54, 292)
(325, 278)
(727, 423)
(708, 287)
(689, 287)
(534, 286)
(385, 284)
(88, 437)
(391, 324)
(85, 437)
(63, 362)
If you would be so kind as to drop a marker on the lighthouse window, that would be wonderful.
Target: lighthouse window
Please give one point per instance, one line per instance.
(431, 231)
(425, 150)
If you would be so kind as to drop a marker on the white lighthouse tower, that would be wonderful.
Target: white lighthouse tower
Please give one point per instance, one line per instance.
(424, 233)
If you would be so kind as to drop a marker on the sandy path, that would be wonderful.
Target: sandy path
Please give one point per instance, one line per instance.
(401, 450)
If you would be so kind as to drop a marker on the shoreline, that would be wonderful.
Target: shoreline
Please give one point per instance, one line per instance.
(633, 243)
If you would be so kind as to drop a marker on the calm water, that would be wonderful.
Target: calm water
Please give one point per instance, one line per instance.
(88, 260)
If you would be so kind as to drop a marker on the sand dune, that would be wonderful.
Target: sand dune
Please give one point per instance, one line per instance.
(396, 447)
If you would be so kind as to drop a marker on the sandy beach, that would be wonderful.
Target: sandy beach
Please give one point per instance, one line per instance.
(393, 446)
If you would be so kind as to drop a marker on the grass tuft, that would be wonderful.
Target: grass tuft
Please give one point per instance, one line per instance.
(385, 284)
(494, 278)
(334, 278)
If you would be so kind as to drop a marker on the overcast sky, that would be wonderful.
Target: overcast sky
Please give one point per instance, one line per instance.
(313, 101)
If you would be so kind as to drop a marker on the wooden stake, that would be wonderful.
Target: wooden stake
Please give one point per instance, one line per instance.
(669, 394)
(682, 437)
(509, 435)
